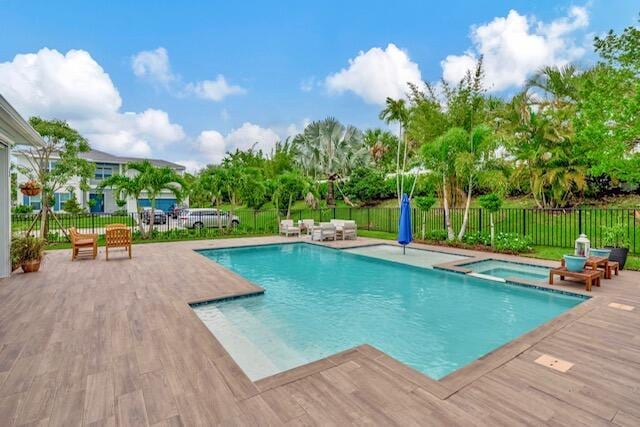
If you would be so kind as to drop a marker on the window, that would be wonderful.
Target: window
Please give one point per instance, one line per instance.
(60, 198)
(33, 201)
(52, 164)
(104, 170)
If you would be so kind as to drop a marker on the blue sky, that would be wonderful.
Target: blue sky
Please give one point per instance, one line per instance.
(217, 75)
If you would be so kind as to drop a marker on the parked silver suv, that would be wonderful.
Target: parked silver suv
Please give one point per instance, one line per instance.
(206, 217)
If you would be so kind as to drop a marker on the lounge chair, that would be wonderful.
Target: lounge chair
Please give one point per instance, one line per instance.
(81, 242)
(118, 237)
(345, 228)
(307, 225)
(324, 231)
(287, 228)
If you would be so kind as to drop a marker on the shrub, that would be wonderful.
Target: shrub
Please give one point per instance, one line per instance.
(365, 185)
(23, 210)
(437, 235)
(72, 206)
(615, 236)
(477, 238)
(513, 243)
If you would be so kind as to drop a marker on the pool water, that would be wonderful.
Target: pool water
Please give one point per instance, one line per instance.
(411, 256)
(506, 269)
(320, 301)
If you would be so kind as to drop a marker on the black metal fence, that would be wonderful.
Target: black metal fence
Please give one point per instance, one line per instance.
(545, 227)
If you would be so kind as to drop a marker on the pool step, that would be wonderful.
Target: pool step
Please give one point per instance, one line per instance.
(247, 355)
(264, 336)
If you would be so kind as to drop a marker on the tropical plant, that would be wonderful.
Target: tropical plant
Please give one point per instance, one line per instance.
(289, 187)
(396, 110)
(424, 203)
(330, 150)
(125, 187)
(56, 161)
(365, 185)
(154, 180)
(492, 203)
(26, 248)
(615, 236)
(382, 147)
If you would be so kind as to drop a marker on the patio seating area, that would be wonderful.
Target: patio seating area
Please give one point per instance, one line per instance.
(83, 343)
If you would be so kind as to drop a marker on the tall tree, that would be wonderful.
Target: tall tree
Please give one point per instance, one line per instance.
(329, 149)
(396, 110)
(54, 163)
(155, 180)
(126, 187)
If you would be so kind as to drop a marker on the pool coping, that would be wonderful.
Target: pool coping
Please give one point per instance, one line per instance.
(442, 388)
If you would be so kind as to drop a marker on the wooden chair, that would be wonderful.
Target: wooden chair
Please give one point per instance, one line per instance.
(118, 237)
(115, 225)
(81, 242)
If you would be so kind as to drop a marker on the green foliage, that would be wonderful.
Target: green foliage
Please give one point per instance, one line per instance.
(27, 248)
(289, 187)
(366, 185)
(436, 235)
(71, 206)
(22, 209)
(491, 202)
(615, 236)
(425, 202)
(504, 242)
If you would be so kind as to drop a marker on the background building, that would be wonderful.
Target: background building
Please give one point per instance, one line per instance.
(93, 199)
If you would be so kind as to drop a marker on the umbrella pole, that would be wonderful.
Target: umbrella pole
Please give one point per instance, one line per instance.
(404, 249)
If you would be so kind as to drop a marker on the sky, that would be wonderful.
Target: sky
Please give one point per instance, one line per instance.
(188, 81)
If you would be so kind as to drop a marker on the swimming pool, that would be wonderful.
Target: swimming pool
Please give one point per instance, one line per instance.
(320, 301)
(417, 257)
(507, 269)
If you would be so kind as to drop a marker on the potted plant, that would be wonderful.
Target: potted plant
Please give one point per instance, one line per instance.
(30, 188)
(27, 252)
(615, 238)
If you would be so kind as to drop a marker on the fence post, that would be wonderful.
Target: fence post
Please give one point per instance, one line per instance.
(480, 220)
(579, 221)
(524, 222)
(388, 220)
(255, 220)
(334, 212)
(369, 219)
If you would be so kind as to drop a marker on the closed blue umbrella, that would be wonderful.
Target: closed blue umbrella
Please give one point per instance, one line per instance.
(404, 228)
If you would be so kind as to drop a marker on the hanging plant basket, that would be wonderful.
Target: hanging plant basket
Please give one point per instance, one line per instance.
(30, 188)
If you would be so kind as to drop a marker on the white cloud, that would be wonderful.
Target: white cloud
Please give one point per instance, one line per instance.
(154, 65)
(515, 46)
(213, 146)
(214, 90)
(74, 87)
(377, 74)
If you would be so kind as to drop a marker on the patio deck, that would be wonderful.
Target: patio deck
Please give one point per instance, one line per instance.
(96, 343)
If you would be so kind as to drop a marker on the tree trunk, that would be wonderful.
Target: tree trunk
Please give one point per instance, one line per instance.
(44, 218)
(445, 203)
(152, 217)
(465, 219)
(493, 230)
(331, 197)
(398, 189)
(289, 206)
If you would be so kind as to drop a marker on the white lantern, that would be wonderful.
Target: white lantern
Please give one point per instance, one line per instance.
(583, 245)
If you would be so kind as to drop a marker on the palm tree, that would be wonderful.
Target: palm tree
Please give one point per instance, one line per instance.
(155, 180)
(125, 187)
(330, 149)
(396, 111)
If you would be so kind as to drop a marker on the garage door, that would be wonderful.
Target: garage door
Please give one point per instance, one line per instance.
(163, 204)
